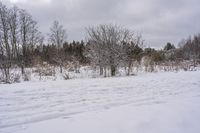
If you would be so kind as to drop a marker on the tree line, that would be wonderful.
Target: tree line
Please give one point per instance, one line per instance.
(107, 46)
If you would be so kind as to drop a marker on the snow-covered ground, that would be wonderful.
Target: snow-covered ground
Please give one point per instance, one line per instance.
(148, 103)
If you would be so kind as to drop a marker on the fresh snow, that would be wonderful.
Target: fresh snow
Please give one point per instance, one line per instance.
(164, 102)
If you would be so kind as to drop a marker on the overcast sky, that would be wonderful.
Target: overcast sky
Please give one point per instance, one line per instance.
(159, 21)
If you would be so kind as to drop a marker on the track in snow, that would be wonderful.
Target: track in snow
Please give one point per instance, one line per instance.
(32, 102)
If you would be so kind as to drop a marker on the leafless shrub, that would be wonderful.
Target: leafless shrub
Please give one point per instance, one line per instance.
(66, 76)
(149, 65)
(27, 76)
(45, 70)
(15, 78)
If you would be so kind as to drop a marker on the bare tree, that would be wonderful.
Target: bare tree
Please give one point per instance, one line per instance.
(13, 21)
(29, 37)
(18, 34)
(58, 36)
(191, 48)
(105, 46)
(5, 44)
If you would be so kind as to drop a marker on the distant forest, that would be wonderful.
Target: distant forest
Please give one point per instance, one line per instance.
(107, 47)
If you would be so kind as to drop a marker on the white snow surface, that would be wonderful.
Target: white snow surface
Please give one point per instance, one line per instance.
(164, 102)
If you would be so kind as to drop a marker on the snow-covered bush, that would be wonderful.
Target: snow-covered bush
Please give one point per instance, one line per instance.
(27, 76)
(13, 78)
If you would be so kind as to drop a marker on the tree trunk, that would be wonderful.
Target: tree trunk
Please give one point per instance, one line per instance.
(7, 74)
(6, 71)
(105, 72)
(61, 69)
(129, 68)
(113, 70)
(22, 67)
(101, 70)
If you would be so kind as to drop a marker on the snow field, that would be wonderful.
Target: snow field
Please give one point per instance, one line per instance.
(154, 102)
